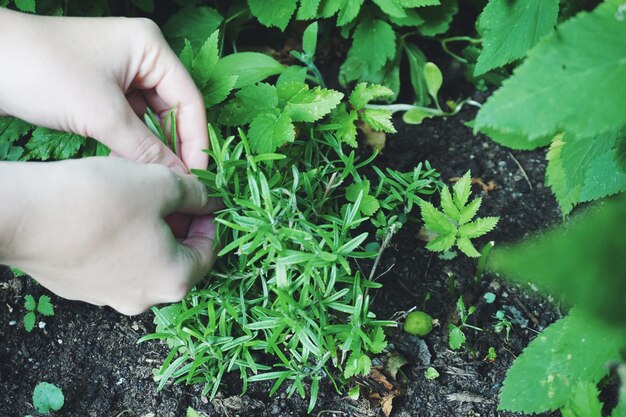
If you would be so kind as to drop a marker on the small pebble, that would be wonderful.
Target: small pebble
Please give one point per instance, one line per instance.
(12, 323)
(42, 324)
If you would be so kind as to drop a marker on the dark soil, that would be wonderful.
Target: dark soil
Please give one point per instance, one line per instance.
(90, 352)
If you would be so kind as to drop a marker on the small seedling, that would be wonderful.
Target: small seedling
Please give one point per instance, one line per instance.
(431, 373)
(502, 323)
(491, 355)
(418, 323)
(43, 307)
(47, 397)
(457, 338)
(453, 225)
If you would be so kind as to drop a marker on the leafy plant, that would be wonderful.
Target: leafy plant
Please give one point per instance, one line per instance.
(453, 225)
(47, 397)
(42, 306)
(457, 338)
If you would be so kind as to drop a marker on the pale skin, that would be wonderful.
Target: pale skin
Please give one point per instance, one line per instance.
(95, 229)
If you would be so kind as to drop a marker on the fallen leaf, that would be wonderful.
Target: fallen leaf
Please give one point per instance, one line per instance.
(394, 362)
(490, 186)
(375, 140)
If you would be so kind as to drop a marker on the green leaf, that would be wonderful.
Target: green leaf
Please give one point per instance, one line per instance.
(415, 116)
(50, 144)
(25, 5)
(562, 79)
(353, 190)
(465, 245)
(145, 5)
(448, 206)
(457, 338)
(308, 9)
(369, 205)
(436, 221)
(348, 10)
(584, 401)
(312, 105)
(268, 132)
(441, 243)
(412, 19)
(378, 120)
(309, 39)
(363, 93)
(347, 128)
(192, 413)
(17, 272)
(248, 103)
(462, 190)
(374, 43)
(195, 24)
(417, 61)
(510, 28)
(45, 307)
(204, 62)
(292, 74)
(515, 140)
(585, 169)
(468, 212)
(29, 302)
(47, 397)
(378, 341)
(29, 321)
(249, 67)
(433, 78)
(544, 376)
(437, 19)
(478, 227)
(391, 7)
(12, 129)
(218, 89)
(357, 364)
(273, 12)
(591, 273)
(419, 3)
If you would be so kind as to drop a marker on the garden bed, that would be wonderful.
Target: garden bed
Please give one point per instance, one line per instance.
(91, 352)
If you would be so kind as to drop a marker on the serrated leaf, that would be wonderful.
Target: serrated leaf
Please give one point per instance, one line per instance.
(447, 205)
(478, 227)
(50, 144)
(437, 19)
(558, 85)
(378, 120)
(308, 9)
(29, 302)
(273, 12)
(412, 19)
(457, 338)
(369, 205)
(433, 78)
(249, 67)
(29, 321)
(248, 103)
(462, 190)
(510, 28)
(357, 364)
(441, 243)
(47, 397)
(436, 221)
(419, 3)
(268, 132)
(348, 10)
(363, 93)
(468, 212)
(45, 307)
(544, 375)
(346, 132)
(218, 89)
(392, 8)
(12, 129)
(195, 24)
(465, 245)
(374, 43)
(585, 169)
(25, 5)
(204, 61)
(292, 74)
(309, 39)
(584, 401)
(378, 341)
(186, 56)
(312, 105)
(353, 190)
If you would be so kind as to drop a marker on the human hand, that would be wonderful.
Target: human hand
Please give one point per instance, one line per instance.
(93, 230)
(94, 76)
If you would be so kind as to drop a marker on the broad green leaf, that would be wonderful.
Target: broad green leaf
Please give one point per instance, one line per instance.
(357, 364)
(312, 105)
(195, 24)
(417, 61)
(515, 140)
(249, 67)
(415, 116)
(436, 221)
(29, 321)
(378, 120)
(186, 56)
(478, 227)
(348, 10)
(12, 129)
(308, 9)
(309, 39)
(468, 212)
(457, 338)
(363, 93)
(29, 302)
(50, 144)
(437, 19)
(511, 28)
(584, 401)
(218, 89)
(369, 205)
(392, 8)
(268, 132)
(591, 263)
(585, 169)
(374, 43)
(467, 247)
(292, 74)
(447, 205)
(287, 90)
(353, 190)
(204, 61)
(192, 413)
(412, 19)
(462, 190)
(248, 103)
(273, 12)
(441, 243)
(545, 374)
(44, 306)
(347, 128)
(9, 152)
(25, 5)
(433, 78)
(562, 79)
(47, 397)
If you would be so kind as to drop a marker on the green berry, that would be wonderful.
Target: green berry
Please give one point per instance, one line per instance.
(418, 323)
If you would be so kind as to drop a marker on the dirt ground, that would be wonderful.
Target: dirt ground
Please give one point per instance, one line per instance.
(90, 352)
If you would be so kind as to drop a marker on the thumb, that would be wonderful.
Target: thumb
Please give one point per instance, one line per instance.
(131, 139)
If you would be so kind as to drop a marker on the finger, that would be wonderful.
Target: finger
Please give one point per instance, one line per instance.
(177, 89)
(197, 254)
(189, 197)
